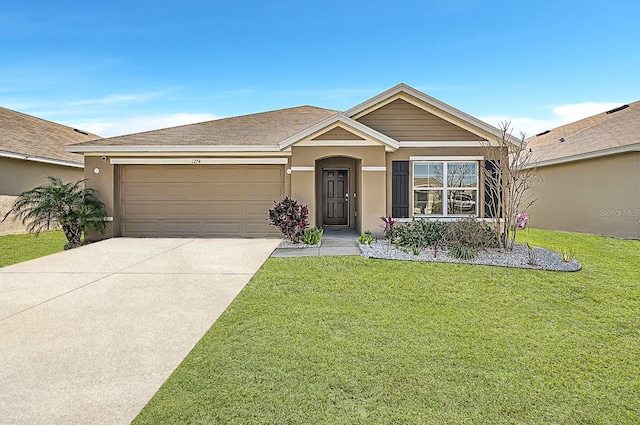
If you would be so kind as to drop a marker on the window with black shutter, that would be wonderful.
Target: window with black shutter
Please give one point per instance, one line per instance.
(492, 189)
(400, 189)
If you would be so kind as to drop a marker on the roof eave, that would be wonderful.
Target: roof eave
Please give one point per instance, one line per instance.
(25, 157)
(171, 148)
(587, 155)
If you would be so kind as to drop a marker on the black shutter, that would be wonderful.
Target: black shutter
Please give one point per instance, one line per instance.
(491, 198)
(400, 189)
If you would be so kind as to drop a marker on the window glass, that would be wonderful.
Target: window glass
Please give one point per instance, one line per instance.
(462, 174)
(427, 175)
(447, 188)
(427, 202)
(461, 202)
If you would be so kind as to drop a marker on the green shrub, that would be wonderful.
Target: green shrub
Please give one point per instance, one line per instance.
(419, 234)
(366, 238)
(466, 232)
(471, 233)
(462, 252)
(312, 236)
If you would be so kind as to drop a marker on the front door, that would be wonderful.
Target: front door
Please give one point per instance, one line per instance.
(335, 197)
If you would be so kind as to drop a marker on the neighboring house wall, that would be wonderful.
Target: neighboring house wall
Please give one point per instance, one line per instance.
(10, 226)
(599, 196)
(17, 176)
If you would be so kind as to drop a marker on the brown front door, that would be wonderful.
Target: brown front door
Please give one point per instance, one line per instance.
(335, 201)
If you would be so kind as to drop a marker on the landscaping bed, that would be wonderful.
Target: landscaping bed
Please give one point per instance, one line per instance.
(288, 244)
(519, 257)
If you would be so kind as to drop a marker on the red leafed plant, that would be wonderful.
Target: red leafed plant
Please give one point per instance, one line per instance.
(388, 226)
(290, 217)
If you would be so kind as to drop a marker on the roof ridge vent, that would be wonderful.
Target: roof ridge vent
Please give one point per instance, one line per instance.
(543, 133)
(619, 108)
(81, 131)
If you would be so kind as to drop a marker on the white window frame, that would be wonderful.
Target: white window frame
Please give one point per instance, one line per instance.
(445, 188)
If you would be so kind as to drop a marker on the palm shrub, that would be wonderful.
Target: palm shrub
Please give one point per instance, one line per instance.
(69, 206)
(290, 218)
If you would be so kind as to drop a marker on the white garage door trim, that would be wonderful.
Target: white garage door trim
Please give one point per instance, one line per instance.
(184, 200)
(197, 161)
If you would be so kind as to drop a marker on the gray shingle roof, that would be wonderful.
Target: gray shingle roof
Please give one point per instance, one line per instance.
(25, 134)
(590, 135)
(266, 128)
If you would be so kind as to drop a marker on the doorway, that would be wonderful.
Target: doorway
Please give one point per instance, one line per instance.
(335, 197)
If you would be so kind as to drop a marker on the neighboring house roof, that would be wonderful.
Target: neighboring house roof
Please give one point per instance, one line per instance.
(279, 130)
(607, 133)
(27, 137)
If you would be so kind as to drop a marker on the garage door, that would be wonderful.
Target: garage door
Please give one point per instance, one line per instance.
(198, 200)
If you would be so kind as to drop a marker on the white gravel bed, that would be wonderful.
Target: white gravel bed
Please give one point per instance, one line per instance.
(518, 258)
(286, 243)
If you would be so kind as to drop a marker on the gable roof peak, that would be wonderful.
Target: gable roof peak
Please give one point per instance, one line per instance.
(436, 107)
(340, 118)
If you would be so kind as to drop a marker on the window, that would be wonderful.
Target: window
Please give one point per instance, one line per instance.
(445, 188)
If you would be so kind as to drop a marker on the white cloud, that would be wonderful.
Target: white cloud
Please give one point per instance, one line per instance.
(560, 115)
(119, 98)
(140, 124)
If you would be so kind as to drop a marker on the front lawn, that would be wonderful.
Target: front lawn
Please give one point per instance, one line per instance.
(348, 340)
(18, 248)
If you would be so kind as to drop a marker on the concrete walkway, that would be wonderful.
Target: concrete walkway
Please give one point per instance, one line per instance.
(334, 242)
(87, 336)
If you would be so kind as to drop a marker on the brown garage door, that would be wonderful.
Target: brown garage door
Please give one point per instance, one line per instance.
(198, 200)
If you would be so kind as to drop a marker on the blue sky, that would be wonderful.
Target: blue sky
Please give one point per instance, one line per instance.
(119, 67)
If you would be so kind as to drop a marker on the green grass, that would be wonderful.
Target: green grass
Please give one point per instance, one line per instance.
(18, 248)
(348, 340)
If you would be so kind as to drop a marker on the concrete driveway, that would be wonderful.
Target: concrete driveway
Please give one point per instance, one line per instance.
(87, 336)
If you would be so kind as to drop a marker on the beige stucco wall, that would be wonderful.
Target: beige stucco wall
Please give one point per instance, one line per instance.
(103, 182)
(599, 196)
(370, 186)
(17, 175)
